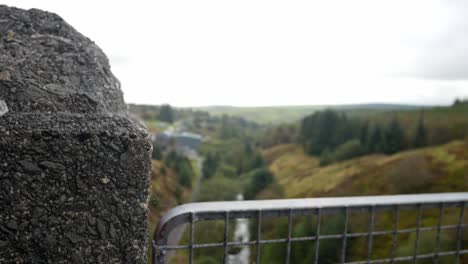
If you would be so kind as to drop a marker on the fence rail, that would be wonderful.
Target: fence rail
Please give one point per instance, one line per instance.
(348, 207)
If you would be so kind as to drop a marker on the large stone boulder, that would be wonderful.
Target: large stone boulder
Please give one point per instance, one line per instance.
(74, 166)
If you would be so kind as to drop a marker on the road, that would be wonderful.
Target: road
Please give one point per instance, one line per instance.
(176, 234)
(196, 188)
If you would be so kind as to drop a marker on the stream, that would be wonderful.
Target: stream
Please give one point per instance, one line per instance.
(241, 234)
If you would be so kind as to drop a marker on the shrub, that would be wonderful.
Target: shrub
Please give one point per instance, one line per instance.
(219, 189)
(182, 167)
(252, 161)
(348, 150)
(178, 194)
(154, 200)
(184, 174)
(326, 157)
(157, 153)
(226, 171)
(260, 179)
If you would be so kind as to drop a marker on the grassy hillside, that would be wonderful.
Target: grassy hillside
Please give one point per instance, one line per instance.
(281, 114)
(430, 170)
(434, 169)
(165, 193)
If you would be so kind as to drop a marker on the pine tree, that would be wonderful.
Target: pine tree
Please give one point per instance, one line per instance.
(393, 137)
(364, 134)
(210, 164)
(375, 140)
(166, 113)
(420, 137)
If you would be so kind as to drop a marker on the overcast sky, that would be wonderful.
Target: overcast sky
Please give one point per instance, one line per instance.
(271, 52)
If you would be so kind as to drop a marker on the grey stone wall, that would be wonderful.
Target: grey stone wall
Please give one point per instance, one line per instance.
(74, 166)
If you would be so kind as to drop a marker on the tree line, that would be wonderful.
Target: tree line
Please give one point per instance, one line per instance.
(334, 136)
(165, 112)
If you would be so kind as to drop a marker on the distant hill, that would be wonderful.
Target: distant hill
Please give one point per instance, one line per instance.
(377, 106)
(280, 114)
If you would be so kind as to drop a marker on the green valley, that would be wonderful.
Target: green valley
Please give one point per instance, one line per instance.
(338, 151)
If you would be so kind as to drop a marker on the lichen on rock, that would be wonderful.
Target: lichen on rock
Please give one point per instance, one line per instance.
(3, 108)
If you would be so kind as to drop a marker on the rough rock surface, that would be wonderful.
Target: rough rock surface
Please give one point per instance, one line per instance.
(74, 166)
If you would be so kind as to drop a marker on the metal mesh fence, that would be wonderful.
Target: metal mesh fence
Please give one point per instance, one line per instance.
(432, 223)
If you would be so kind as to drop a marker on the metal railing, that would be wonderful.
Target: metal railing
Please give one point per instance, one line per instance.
(348, 207)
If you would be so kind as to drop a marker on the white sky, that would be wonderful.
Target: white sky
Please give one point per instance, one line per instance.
(272, 52)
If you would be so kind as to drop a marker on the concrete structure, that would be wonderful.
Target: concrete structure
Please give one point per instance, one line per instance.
(74, 166)
(184, 143)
